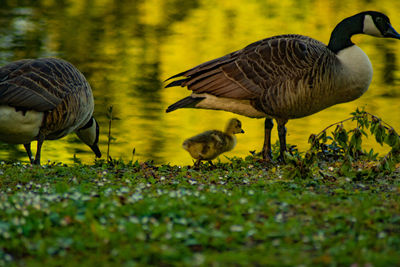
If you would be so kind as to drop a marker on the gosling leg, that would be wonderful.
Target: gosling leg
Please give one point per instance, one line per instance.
(266, 152)
(197, 163)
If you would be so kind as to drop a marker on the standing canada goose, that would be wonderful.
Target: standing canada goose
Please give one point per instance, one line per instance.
(287, 76)
(45, 99)
(210, 144)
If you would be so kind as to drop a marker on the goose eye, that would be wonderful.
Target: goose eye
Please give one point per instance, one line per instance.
(380, 22)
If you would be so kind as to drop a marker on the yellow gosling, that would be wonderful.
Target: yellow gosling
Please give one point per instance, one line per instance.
(210, 144)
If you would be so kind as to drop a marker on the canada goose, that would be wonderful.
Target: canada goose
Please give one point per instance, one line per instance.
(210, 144)
(287, 76)
(45, 99)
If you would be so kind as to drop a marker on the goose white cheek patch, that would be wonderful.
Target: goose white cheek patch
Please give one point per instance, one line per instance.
(370, 27)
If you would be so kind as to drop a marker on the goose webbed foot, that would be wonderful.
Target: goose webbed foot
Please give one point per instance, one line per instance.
(281, 159)
(266, 156)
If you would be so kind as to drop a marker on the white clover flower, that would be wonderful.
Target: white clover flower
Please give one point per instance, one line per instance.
(243, 201)
(192, 182)
(236, 228)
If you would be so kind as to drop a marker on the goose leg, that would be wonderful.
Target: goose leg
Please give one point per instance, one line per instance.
(40, 141)
(266, 152)
(29, 151)
(282, 138)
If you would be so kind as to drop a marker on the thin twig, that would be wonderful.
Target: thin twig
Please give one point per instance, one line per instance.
(109, 132)
(340, 122)
(388, 125)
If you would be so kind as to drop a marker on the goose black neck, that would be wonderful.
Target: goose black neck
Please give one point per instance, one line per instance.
(341, 35)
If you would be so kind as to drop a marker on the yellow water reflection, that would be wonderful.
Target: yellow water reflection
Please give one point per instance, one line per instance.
(127, 48)
(230, 25)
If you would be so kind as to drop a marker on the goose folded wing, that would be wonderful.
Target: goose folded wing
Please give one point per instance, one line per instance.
(247, 73)
(25, 86)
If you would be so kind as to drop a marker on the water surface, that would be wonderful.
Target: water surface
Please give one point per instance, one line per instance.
(126, 49)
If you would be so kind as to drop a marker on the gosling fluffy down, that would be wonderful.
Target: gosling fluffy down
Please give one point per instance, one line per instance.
(210, 144)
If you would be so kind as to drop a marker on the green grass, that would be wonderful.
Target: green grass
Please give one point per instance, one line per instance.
(238, 213)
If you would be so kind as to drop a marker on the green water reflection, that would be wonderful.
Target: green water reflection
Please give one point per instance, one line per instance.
(127, 48)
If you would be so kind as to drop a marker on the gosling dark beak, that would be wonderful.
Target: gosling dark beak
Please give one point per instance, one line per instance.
(242, 131)
(391, 33)
(96, 150)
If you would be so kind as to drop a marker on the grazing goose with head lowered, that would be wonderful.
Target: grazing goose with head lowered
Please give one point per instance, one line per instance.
(45, 99)
(210, 144)
(287, 76)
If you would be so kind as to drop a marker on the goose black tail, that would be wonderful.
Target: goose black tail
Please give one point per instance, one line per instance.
(187, 102)
(176, 83)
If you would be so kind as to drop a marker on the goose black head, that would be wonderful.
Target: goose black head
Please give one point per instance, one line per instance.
(368, 22)
(89, 134)
(378, 24)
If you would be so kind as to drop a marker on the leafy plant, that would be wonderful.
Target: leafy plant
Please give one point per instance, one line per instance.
(343, 148)
(299, 165)
(346, 145)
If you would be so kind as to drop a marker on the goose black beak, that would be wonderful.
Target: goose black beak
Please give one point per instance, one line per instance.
(242, 131)
(391, 33)
(96, 150)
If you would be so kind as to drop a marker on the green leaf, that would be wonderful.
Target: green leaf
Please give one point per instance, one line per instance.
(375, 122)
(372, 155)
(380, 134)
(356, 140)
(364, 133)
(342, 137)
(312, 138)
(392, 139)
(366, 123)
(323, 137)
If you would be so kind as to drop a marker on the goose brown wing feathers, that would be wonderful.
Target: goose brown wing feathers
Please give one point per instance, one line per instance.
(248, 73)
(38, 84)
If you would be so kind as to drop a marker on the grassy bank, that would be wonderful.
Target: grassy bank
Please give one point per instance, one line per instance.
(238, 213)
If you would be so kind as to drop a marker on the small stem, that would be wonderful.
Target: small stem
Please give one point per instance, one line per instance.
(386, 127)
(340, 122)
(133, 153)
(109, 132)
